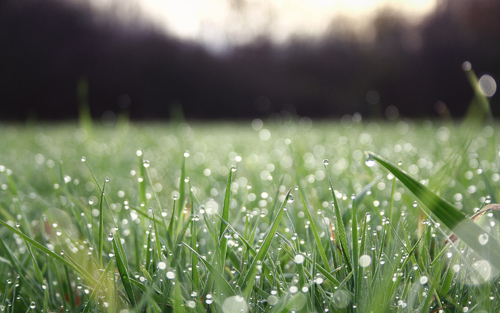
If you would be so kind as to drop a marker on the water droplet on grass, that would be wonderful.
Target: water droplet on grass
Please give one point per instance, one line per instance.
(365, 260)
(170, 275)
(186, 154)
(32, 305)
(83, 159)
(423, 280)
(483, 239)
(162, 266)
(235, 304)
(272, 300)
(370, 161)
(326, 162)
(299, 259)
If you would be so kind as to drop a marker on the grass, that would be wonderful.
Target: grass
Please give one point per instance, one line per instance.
(278, 216)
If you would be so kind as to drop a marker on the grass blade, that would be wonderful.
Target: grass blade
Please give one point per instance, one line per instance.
(95, 292)
(225, 217)
(217, 277)
(315, 233)
(101, 226)
(121, 264)
(247, 283)
(455, 220)
(50, 253)
(340, 226)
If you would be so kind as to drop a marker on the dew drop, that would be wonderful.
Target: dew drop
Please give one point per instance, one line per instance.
(365, 260)
(83, 159)
(423, 280)
(319, 280)
(162, 266)
(299, 259)
(483, 239)
(272, 300)
(32, 305)
(370, 161)
(170, 275)
(233, 168)
(290, 199)
(326, 162)
(145, 163)
(186, 154)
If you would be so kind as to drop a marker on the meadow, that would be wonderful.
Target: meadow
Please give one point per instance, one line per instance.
(258, 216)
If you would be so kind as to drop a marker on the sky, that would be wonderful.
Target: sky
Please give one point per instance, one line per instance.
(221, 23)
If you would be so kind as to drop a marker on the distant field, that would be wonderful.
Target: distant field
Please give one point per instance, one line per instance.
(167, 234)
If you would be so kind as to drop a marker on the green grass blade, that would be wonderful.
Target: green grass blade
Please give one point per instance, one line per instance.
(101, 226)
(217, 277)
(50, 253)
(340, 226)
(315, 233)
(142, 183)
(182, 191)
(38, 272)
(465, 229)
(95, 292)
(225, 216)
(250, 276)
(121, 264)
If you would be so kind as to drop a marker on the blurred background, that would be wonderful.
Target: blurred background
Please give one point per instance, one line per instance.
(236, 59)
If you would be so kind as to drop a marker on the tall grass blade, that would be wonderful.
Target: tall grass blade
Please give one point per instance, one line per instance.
(84, 107)
(101, 226)
(340, 226)
(122, 265)
(314, 230)
(249, 279)
(225, 217)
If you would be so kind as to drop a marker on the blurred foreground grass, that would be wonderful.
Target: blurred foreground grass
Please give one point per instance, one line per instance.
(241, 217)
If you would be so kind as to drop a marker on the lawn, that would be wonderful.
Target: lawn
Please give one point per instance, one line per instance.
(288, 215)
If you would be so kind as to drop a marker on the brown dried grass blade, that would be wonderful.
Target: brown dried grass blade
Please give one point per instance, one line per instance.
(490, 207)
(332, 234)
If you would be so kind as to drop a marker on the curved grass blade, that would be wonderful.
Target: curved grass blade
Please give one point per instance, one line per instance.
(50, 253)
(121, 263)
(454, 219)
(250, 276)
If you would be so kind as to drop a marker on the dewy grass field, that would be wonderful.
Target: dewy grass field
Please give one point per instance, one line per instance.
(289, 216)
(246, 220)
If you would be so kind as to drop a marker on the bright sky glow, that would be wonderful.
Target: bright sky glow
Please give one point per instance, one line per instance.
(218, 23)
